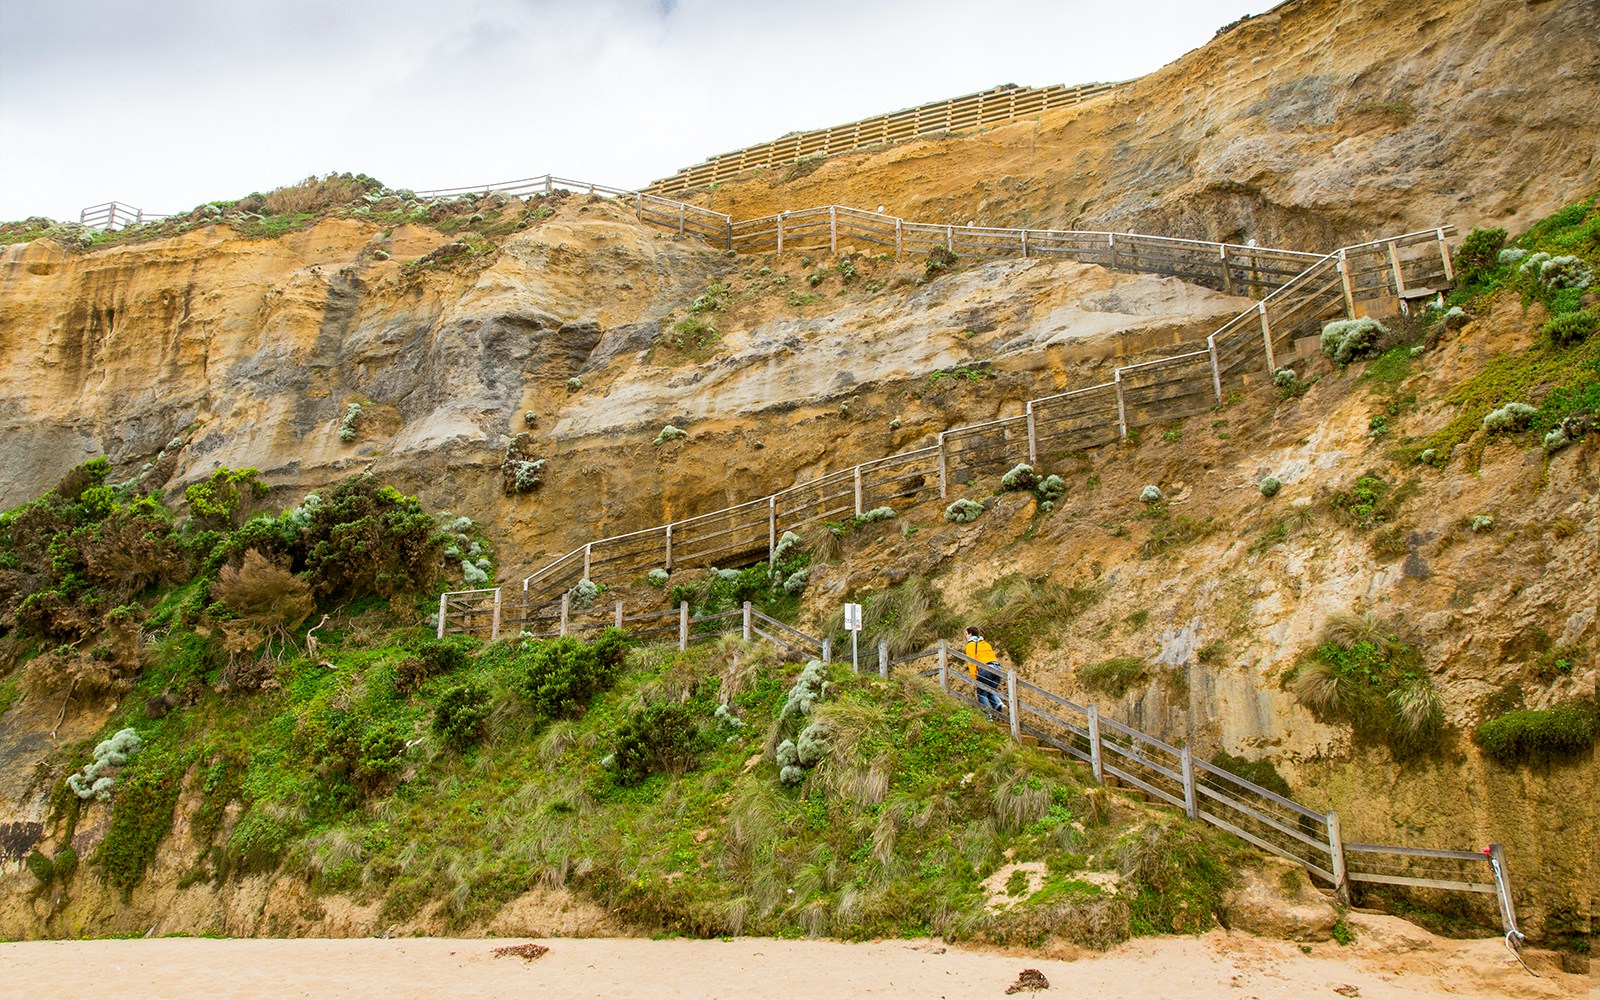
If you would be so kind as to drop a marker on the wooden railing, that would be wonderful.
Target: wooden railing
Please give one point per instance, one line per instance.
(115, 215)
(1271, 822)
(953, 115)
(1230, 267)
(1170, 774)
(1264, 337)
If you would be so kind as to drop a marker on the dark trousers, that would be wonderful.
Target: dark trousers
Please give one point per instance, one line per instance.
(989, 681)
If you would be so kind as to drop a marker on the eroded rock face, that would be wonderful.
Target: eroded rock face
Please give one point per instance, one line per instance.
(1314, 125)
(1277, 900)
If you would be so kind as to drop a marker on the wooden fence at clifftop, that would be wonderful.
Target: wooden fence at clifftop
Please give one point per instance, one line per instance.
(956, 114)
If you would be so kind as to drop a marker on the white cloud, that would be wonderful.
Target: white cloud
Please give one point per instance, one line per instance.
(167, 105)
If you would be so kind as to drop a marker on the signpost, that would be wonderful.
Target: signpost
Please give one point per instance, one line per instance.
(852, 624)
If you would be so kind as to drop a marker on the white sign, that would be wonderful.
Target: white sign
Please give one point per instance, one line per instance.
(852, 617)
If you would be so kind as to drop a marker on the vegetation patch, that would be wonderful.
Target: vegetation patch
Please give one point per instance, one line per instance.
(1115, 677)
(1365, 674)
(1529, 736)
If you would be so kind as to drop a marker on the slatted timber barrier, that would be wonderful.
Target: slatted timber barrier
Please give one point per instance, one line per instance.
(1234, 268)
(955, 114)
(1157, 769)
(1127, 756)
(1256, 342)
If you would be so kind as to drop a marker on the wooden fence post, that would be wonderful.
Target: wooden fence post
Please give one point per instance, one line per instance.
(858, 490)
(1111, 241)
(883, 658)
(1011, 705)
(833, 229)
(779, 217)
(1349, 292)
(1399, 276)
(549, 184)
(1266, 336)
(683, 625)
(619, 615)
(638, 207)
(1444, 255)
(772, 530)
(1033, 438)
(682, 208)
(730, 232)
(1095, 763)
(443, 610)
(1186, 757)
(950, 238)
(746, 632)
(1341, 881)
(494, 623)
(1122, 406)
(827, 651)
(944, 666)
(566, 611)
(1227, 275)
(588, 552)
(669, 547)
(899, 239)
(1024, 244)
(1502, 889)
(944, 469)
(1216, 371)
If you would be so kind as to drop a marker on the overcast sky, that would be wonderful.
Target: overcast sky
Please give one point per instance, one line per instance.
(164, 105)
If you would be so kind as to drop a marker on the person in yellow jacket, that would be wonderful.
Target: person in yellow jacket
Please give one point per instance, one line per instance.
(986, 677)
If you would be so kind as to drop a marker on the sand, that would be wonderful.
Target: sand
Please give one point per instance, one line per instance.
(1394, 963)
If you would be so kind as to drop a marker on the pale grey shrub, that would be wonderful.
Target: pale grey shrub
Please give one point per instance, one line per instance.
(347, 426)
(963, 511)
(657, 577)
(1347, 340)
(93, 782)
(670, 433)
(1151, 494)
(1510, 417)
(584, 594)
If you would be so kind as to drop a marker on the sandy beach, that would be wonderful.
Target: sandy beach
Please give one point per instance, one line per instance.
(1393, 960)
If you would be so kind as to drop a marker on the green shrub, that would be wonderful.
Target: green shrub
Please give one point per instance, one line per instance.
(1371, 501)
(361, 538)
(1571, 328)
(559, 677)
(460, 717)
(40, 866)
(1116, 676)
(1261, 772)
(66, 863)
(225, 501)
(1349, 340)
(660, 737)
(1269, 486)
(1521, 737)
(1365, 674)
(433, 657)
(1479, 253)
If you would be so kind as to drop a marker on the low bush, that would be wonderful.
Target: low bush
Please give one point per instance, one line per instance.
(461, 715)
(433, 658)
(1527, 736)
(663, 736)
(1366, 674)
(1508, 418)
(1151, 494)
(1260, 772)
(669, 433)
(1115, 677)
(1269, 486)
(963, 511)
(1478, 253)
(1570, 328)
(559, 677)
(1350, 340)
